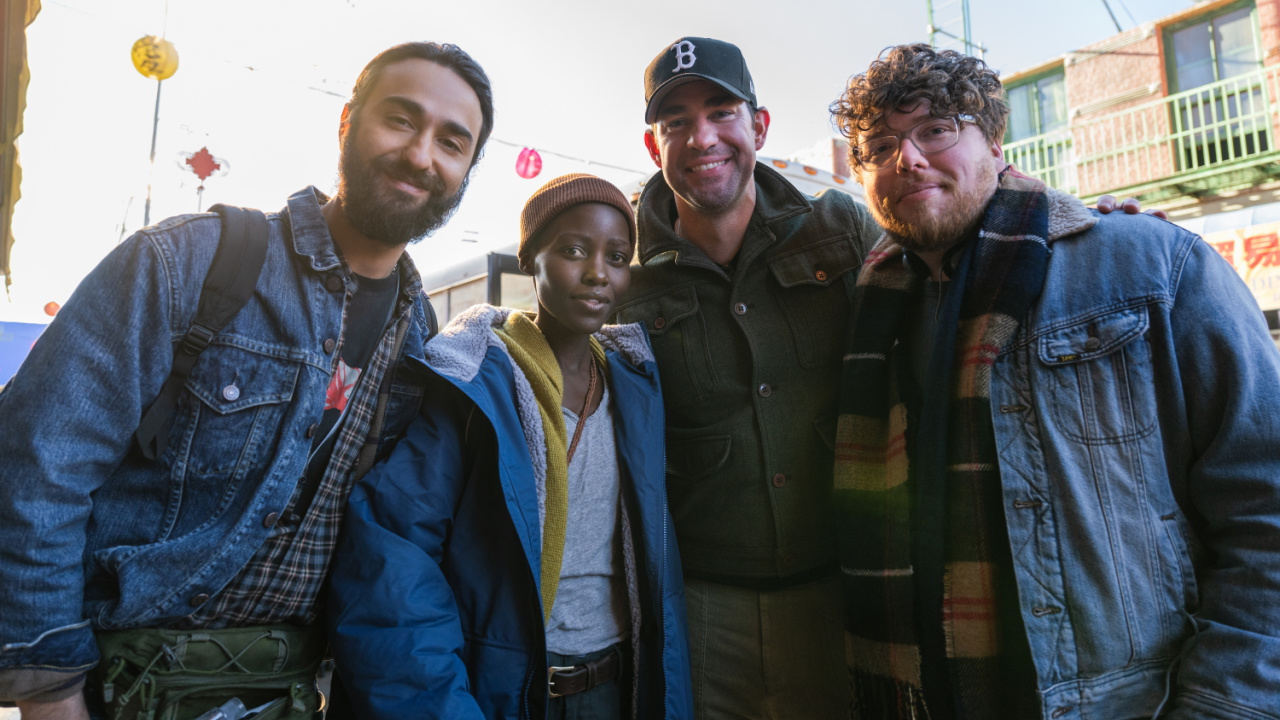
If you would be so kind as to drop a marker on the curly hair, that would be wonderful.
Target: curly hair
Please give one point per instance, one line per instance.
(953, 83)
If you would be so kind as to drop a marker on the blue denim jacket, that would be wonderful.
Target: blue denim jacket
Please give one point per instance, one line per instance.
(94, 536)
(1137, 417)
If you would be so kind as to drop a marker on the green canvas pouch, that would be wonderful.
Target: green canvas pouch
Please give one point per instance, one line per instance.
(156, 674)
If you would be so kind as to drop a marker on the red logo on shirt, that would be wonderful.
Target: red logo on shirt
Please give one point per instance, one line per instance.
(340, 387)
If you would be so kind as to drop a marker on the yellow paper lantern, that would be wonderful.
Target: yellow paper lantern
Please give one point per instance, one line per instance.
(155, 57)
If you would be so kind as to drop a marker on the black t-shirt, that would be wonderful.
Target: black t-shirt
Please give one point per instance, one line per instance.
(367, 317)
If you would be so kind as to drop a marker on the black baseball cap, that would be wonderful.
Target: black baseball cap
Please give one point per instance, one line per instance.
(694, 58)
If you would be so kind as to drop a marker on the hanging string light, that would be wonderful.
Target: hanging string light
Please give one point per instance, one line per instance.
(539, 153)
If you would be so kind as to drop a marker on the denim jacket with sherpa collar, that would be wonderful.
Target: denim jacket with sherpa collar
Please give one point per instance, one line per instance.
(1137, 420)
(94, 536)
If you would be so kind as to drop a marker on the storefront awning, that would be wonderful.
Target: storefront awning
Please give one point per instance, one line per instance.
(17, 15)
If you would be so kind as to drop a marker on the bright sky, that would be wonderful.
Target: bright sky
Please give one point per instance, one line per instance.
(262, 83)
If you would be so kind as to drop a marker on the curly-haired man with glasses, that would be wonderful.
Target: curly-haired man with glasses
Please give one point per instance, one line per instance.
(1057, 468)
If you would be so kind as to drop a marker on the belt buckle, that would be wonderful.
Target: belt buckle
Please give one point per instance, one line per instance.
(551, 679)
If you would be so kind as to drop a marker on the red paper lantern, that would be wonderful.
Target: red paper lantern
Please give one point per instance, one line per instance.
(51, 308)
(528, 164)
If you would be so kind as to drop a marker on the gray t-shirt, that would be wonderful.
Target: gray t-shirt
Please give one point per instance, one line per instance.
(590, 611)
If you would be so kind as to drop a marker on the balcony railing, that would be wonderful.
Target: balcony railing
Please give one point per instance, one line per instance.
(1196, 142)
(1046, 157)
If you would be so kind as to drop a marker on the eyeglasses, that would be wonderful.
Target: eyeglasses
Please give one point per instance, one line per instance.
(931, 136)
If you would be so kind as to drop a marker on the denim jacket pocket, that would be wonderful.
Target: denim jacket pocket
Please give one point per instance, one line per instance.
(1184, 588)
(679, 341)
(814, 280)
(1097, 372)
(236, 405)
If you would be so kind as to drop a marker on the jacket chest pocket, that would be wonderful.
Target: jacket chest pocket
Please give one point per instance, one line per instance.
(815, 299)
(1098, 373)
(679, 340)
(231, 427)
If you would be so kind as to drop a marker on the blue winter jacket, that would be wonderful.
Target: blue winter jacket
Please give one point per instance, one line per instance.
(434, 607)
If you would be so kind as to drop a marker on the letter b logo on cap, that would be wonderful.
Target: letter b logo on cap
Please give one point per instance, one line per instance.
(684, 55)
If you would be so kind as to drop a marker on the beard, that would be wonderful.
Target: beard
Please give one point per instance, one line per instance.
(942, 228)
(391, 218)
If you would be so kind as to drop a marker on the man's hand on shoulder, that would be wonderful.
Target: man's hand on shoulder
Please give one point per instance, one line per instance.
(1131, 206)
(72, 708)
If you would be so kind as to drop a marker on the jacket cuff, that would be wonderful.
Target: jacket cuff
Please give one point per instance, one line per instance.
(51, 667)
(39, 685)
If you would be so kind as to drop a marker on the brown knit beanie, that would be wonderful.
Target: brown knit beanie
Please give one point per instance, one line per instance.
(559, 195)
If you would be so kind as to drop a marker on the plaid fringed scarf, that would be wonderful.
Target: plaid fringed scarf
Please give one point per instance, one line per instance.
(920, 568)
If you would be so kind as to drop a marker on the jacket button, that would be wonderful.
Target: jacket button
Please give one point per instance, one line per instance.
(333, 283)
(329, 345)
(764, 390)
(270, 520)
(659, 323)
(311, 431)
(779, 480)
(198, 600)
(1092, 343)
(740, 308)
(789, 559)
(231, 393)
(820, 276)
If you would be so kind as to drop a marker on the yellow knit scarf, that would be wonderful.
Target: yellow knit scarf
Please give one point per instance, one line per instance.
(535, 359)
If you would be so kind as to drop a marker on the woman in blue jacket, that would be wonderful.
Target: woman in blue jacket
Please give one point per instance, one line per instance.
(513, 557)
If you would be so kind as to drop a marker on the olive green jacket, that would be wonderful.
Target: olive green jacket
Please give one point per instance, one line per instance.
(749, 361)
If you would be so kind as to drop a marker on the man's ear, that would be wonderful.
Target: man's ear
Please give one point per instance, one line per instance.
(344, 124)
(651, 144)
(761, 123)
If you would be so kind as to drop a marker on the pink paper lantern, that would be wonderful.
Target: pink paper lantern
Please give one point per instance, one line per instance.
(528, 164)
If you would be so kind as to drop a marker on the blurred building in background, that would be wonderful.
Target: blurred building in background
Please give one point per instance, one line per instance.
(1181, 113)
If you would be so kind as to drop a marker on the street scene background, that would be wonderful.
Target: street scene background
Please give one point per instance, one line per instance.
(262, 84)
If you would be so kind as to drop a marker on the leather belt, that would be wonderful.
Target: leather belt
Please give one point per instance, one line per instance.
(563, 681)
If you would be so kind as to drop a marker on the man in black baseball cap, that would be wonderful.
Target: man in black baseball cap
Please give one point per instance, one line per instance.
(743, 285)
(693, 58)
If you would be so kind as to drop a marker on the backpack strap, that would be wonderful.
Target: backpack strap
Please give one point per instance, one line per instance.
(232, 277)
(433, 325)
(369, 451)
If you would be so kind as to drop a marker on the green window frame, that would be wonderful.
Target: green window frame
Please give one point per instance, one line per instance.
(1211, 48)
(1037, 105)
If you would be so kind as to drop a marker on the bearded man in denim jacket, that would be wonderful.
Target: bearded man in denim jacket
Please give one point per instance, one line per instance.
(233, 523)
(1057, 459)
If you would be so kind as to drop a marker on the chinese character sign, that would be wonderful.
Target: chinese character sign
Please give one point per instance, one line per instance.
(1255, 253)
(155, 57)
